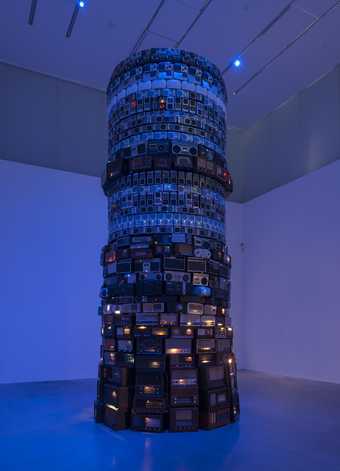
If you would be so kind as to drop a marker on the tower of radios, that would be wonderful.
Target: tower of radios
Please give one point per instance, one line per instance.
(166, 355)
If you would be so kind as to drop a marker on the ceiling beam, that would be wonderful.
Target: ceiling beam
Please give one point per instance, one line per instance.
(33, 9)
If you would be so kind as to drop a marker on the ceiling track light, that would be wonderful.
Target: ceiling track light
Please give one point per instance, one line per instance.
(77, 6)
(285, 49)
(33, 9)
(264, 31)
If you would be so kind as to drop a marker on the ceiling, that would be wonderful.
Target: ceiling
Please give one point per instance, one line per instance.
(107, 30)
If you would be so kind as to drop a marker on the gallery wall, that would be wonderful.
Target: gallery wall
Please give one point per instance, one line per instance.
(291, 320)
(53, 227)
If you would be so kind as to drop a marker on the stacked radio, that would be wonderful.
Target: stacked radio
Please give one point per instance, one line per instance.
(166, 354)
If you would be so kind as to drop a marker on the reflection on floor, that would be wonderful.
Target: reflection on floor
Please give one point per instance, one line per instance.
(286, 424)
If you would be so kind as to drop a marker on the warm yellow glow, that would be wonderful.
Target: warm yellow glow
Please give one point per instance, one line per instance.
(173, 350)
(127, 330)
(155, 364)
(149, 389)
(141, 327)
(205, 361)
(189, 323)
(230, 361)
(110, 406)
(117, 311)
(230, 329)
(205, 348)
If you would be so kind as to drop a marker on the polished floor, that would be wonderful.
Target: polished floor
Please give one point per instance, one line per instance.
(286, 425)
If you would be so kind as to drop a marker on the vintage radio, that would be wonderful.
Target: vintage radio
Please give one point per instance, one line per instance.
(198, 265)
(181, 361)
(184, 397)
(148, 362)
(191, 320)
(183, 377)
(117, 396)
(147, 422)
(152, 345)
(208, 321)
(182, 332)
(125, 346)
(124, 332)
(183, 250)
(115, 418)
(175, 346)
(214, 398)
(175, 288)
(195, 308)
(147, 319)
(211, 377)
(121, 359)
(156, 405)
(116, 375)
(183, 419)
(168, 319)
(205, 332)
(174, 263)
(149, 384)
(223, 345)
(153, 307)
(205, 345)
(210, 309)
(204, 359)
(145, 288)
(109, 344)
(214, 418)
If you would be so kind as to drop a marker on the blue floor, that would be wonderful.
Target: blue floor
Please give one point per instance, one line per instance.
(286, 424)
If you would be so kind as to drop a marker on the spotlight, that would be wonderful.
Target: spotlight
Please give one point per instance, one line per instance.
(237, 63)
(81, 4)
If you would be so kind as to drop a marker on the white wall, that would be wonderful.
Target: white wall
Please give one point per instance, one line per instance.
(53, 224)
(53, 227)
(291, 323)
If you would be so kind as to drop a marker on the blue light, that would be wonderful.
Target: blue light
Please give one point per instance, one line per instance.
(81, 4)
(237, 63)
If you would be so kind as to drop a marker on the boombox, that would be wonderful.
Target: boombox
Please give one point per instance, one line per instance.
(183, 419)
